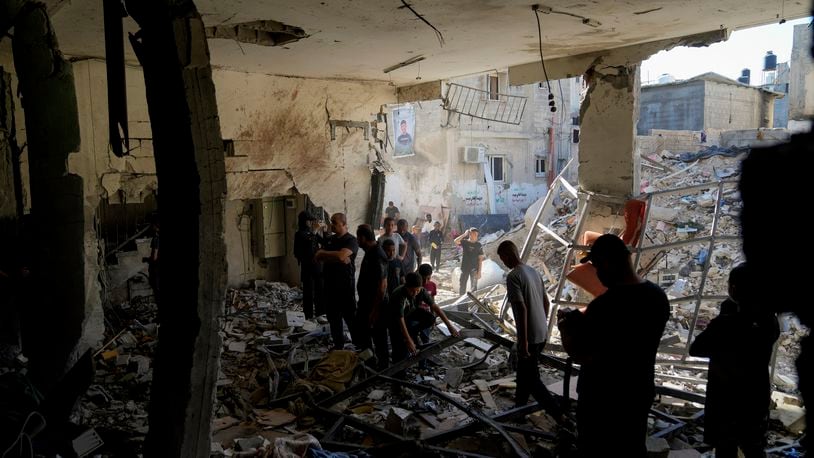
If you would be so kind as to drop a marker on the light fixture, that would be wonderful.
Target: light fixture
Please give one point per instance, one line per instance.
(407, 62)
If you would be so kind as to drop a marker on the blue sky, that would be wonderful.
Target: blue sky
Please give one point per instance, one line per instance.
(744, 49)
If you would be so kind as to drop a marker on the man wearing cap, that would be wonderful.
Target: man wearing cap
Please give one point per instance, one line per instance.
(615, 340)
(471, 260)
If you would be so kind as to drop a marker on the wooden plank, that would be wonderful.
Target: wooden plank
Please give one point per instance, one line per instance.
(483, 387)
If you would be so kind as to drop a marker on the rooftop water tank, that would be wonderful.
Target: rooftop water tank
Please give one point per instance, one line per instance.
(746, 76)
(769, 62)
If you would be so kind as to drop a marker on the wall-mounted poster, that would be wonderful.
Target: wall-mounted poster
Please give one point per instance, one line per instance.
(403, 130)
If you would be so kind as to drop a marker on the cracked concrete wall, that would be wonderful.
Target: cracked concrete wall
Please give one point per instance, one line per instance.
(282, 144)
(801, 75)
(607, 163)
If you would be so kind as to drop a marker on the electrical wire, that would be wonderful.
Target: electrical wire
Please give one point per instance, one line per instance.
(540, 42)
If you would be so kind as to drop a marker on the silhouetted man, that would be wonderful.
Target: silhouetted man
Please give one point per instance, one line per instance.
(306, 245)
(372, 287)
(615, 341)
(738, 343)
(471, 260)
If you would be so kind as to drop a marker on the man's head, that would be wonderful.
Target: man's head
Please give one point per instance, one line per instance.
(508, 253)
(738, 282)
(425, 270)
(364, 233)
(429, 217)
(390, 204)
(389, 225)
(402, 226)
(413, 283)
(437, 225)
(611, 258)
(474, 233)
(403, 125)
(305, 219)
(389, 247)
(339, 224)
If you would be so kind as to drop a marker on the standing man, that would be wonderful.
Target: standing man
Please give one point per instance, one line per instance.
(593, 339)
(426, 228)
(339, 258)
(436, 239)
(306, 245)
(391, 234)
(526, 293)
(471, 260)
(392, 211)
(372, 287)
(412, 256)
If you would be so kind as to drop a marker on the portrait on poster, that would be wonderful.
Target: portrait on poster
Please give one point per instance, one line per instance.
(403, 131)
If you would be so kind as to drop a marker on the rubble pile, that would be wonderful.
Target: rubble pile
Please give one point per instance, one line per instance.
(115, 405)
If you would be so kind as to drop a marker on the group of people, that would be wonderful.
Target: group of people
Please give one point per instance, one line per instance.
(430, 234)
(395, 307)
(629, 318)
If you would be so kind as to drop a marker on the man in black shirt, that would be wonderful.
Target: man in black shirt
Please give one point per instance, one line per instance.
(436, 239)
(472, 259)
(593, 339)
(392, 211)
(372, 287)
(410, 318)
(339, 274)
(306, 244)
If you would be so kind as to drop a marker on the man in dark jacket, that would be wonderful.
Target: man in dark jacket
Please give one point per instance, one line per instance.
(738, 343)
(306, 244)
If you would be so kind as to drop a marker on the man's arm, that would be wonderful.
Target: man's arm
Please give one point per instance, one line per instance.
(406, 335)
(461, 237)
(402, 248)
(480, 266)
(546, 303)
(437, 310)
(521, 319)
(342, 256)
(377, 300)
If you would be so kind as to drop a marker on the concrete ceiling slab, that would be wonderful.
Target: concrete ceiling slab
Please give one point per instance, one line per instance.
(358, 39)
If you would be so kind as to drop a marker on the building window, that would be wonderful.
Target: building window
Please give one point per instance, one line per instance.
(496, 166)
(575, 120)
(575, 136)
(493, 82)
(539, 166)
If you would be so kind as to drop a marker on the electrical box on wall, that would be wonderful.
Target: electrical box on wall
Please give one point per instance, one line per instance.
(270, 227)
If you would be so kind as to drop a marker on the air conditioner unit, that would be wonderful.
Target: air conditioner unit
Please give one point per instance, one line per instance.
(474, 154)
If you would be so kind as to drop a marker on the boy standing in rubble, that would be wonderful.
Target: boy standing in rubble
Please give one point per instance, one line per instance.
(525, 291)
(615, 340)
(738, 343)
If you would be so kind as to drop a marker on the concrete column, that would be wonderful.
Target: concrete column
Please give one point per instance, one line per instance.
(607, 160)
(172, 49)
(52, 320)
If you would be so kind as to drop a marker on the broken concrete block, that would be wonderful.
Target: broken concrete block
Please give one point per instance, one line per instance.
(663, 214)
(396, 419)
(247, 444)
(290, 319)
(454, 376)
(781, 398)
(792, 417)
(239, 347)
(785, 381)
(657, 448)
(376, 395)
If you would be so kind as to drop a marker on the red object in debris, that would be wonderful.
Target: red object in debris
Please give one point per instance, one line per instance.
(634, 219)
